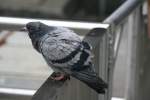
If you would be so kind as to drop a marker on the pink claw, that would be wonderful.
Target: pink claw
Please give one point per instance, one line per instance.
(58, 78)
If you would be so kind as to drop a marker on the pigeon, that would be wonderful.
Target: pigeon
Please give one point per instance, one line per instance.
(66, 53)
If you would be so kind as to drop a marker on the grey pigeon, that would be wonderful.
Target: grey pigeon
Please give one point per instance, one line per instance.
(66, 53)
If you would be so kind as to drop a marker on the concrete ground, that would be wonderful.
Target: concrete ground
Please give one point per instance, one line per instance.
(20, 65)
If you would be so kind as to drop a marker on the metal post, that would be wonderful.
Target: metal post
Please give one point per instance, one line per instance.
(134, 63)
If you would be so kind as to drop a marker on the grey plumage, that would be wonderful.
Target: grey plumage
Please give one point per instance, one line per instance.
(65, 52)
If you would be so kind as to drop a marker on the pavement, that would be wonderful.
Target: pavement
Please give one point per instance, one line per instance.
(20, 65)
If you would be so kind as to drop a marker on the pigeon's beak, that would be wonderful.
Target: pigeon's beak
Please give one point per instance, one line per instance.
(24, 29)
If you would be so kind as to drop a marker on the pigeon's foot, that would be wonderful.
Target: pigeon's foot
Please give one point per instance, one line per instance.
(60, 76)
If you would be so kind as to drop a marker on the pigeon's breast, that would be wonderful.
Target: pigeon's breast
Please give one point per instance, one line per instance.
(58, 47)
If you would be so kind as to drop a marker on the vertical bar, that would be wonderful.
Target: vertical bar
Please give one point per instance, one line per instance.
(110, 61)
(135, 69)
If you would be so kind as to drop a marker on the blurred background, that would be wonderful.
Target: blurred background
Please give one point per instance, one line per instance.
(92, 10)
(23, 69)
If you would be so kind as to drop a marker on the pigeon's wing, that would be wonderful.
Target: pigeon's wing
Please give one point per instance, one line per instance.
(90, 41)
(85, 72)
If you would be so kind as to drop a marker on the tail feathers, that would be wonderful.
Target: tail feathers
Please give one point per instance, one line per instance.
(92, 80)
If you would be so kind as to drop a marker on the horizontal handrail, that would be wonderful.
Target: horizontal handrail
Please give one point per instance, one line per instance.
(17, 22)
(13, 91)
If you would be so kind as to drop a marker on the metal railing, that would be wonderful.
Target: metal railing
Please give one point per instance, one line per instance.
(117, 18)
(126, 29)
(105, 48)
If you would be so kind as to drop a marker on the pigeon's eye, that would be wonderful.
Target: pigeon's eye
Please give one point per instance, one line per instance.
(33, 26)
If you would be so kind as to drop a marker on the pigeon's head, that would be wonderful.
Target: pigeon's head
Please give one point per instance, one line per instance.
(33, 26)
(36, 29)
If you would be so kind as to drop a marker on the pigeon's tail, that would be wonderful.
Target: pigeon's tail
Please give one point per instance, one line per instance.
(91, 79)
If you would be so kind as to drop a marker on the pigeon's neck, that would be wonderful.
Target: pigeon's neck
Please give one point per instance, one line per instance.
(36, 45)
(36, 38)
(37, 35)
